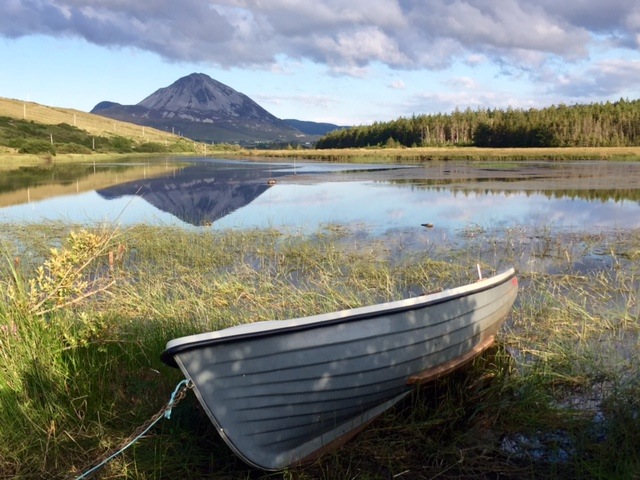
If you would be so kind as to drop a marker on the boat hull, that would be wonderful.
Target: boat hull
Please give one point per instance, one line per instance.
(280, 393)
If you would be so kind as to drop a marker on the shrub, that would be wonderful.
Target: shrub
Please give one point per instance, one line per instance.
(72, 148)
(152, 147)
(37, 146)
(182, 146)
(16, 143)
(122, 144)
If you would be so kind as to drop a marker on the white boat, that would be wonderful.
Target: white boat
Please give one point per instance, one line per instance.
(283, 392)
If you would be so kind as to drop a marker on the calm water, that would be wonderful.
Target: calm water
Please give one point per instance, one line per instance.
(222, 194)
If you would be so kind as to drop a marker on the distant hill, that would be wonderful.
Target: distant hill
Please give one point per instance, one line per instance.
(313, 128)
(28, 127)
(203, 109)
(93, 124)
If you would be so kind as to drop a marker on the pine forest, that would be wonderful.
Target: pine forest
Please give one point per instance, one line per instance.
(610, 124)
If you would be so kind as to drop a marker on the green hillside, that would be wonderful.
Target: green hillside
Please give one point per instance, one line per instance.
(31, 128)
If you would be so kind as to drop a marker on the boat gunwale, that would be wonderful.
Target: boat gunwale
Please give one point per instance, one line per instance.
(275, 327)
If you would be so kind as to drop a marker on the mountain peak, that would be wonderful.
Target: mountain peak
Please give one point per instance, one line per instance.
(199, 93)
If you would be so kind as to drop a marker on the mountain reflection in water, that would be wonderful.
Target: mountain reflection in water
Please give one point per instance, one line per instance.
(381, 198)
(197, 195)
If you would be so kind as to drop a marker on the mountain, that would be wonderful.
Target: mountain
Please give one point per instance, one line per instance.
(312, 128)
(203, 109)
(199, 195)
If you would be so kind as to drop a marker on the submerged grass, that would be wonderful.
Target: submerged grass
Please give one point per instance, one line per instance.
(556, 398)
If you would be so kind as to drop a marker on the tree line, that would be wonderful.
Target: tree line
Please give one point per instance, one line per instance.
(610, 124)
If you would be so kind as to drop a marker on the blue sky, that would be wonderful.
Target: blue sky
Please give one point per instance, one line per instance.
(342, 62)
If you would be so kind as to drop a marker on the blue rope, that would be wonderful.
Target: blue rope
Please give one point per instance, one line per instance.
(167, 415)
(172, 399)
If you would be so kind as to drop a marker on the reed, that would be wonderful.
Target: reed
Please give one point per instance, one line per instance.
(82, 326)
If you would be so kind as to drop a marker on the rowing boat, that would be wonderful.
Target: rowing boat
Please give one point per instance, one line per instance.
(283, 392)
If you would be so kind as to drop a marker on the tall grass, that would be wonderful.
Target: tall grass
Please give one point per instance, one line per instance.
(82, 326)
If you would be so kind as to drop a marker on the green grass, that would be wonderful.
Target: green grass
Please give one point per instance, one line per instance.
(31, 116)
(82, 327)
(494, 156)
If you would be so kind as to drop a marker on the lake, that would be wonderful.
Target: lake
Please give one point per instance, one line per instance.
(434, 199)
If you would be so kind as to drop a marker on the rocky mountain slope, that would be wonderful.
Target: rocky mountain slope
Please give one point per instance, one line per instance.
(203, 109)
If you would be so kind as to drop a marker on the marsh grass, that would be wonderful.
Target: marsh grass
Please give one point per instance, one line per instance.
(424, 154)
(556, 398)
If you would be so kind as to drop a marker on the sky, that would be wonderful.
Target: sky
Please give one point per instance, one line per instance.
(348, 62)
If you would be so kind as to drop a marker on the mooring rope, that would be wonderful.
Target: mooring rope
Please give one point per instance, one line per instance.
(177, 395)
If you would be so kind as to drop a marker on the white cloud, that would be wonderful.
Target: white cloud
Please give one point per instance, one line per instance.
(321, 102)
(549, 45)
(600, 80)
(439, 102)
(463, 82)
(396, 33)
(475, 59)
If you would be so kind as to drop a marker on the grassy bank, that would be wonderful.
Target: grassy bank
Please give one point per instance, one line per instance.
(82, 326)
(425, 154)
(12, 160)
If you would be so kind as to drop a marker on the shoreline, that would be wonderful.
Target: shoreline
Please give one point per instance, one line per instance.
(425, 154)
(10, 160)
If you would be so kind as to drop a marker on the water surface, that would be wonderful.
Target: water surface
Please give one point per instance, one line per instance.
(222, 194)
